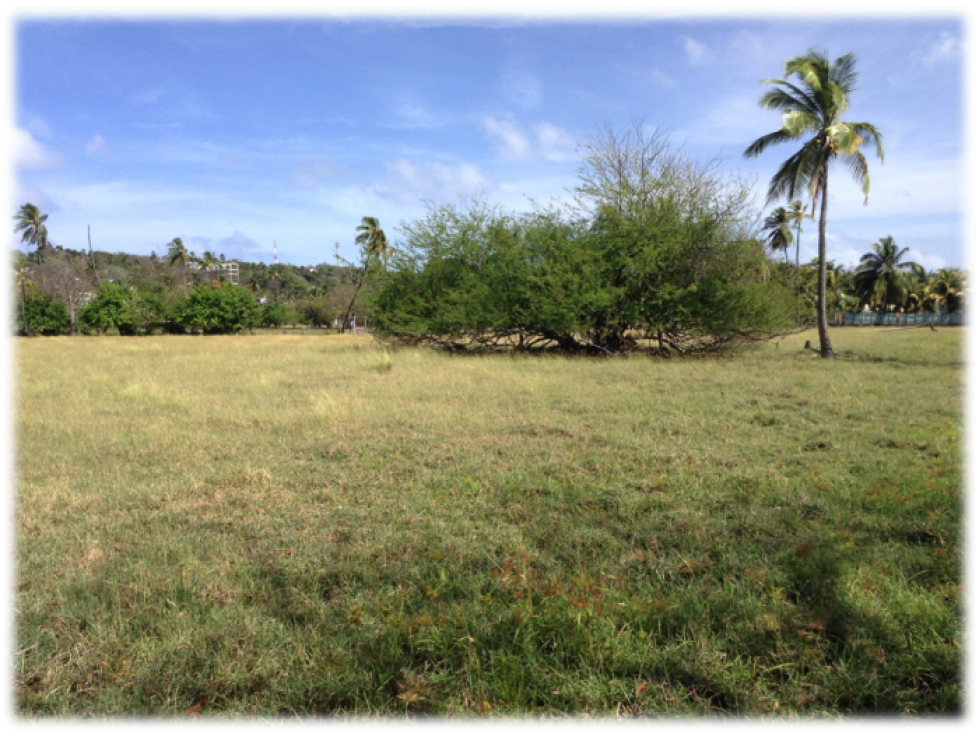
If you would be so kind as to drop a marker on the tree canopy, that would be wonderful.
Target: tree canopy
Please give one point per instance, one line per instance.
(659, 255)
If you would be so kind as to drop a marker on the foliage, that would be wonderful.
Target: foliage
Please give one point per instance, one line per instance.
(372, 238)
(946, 287)
(273, 314)
(46, 315)
(224, 309)
(30, 223)
(879, 281)
(665, 256)
(779, 234)
(112, 308)
(316, 311)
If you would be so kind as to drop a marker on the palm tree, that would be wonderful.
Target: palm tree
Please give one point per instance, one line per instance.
(879, 280)
(373, 238)
(813, 107)
(373, 243)
(797, 212)
(780, 236)
(28, 287)
(177, 255)
(947, 286)
(30, 222)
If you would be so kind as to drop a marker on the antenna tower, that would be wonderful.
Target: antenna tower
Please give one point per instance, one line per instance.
(275, 251)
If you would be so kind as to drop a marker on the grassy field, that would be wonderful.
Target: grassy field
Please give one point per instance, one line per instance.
(300, 525)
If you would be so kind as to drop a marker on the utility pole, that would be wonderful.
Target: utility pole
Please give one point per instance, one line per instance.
(91, 257)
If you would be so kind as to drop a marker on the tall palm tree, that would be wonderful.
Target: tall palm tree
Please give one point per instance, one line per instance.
(177, 255)
(373, 238)
(813, 107)
(374, 243)
(30, 222)
(779, 235)
(797, 212)
(28, 287)
(879, 280)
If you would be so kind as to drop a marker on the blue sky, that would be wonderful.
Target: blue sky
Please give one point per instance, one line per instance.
(233, 134)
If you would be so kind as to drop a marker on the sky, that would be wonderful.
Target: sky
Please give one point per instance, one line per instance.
(234, 134)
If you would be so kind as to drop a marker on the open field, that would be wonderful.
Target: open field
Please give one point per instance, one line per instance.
(296, 525)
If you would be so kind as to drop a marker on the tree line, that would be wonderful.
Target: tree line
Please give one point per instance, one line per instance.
(60, 290)
(660, 251)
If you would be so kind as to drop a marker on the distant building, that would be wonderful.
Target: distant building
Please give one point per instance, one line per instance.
(225, 271)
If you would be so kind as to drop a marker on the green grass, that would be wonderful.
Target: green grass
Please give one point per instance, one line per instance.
(300, 525)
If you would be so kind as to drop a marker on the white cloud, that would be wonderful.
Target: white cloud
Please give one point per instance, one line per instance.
(556, 143)
(946, 48)
(511, 143)
(32, 155)
(552, 143)
(411, 182)
(310, 173)
(697, 52)
(96, 145)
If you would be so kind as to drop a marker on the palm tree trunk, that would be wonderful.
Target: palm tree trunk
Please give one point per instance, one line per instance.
(798, 236)
(825, 347)
(23, 309)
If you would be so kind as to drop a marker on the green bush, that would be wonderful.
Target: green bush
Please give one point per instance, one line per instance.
(273, 314)
(479, 277)
(44, 316)
(222, 309)
(114, 307)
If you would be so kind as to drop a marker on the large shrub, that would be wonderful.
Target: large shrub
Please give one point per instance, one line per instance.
(681, 275)
(220, 308)
(44, 315)
(114, 307)
(661, 252)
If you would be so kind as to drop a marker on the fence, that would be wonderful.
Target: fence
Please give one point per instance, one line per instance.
(869, 318)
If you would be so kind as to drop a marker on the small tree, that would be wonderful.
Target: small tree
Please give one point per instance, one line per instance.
(224, 309)
(112, 308)
(374, 248)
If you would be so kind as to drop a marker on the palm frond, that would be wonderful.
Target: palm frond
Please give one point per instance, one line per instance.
(796, 174)
(843, 73)
(856, 164)
(789, 98)
(765, 141)
(796, 123)
(870, 134)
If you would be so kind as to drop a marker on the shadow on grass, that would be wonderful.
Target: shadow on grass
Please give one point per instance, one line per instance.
(857, 645)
